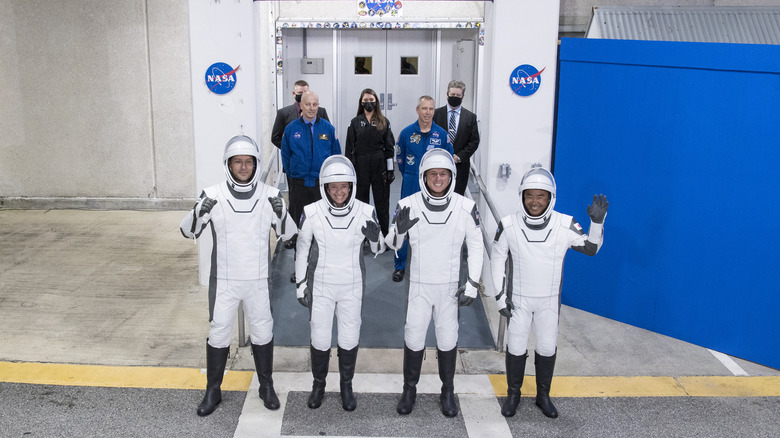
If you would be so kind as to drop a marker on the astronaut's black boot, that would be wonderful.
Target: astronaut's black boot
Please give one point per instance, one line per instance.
(544, 374)
(412, 366)
(319, 369)
(347, 361)
(216, 359)
(264, 364)
(447, 360)
(515, 371)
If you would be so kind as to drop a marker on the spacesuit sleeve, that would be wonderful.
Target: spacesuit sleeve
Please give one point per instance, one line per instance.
(394, 240)
(284, 227)
(588, 244)
(377, 247)
(498, 256)
(192, 225)
(302, 253)
(475, 252)
(399, 158)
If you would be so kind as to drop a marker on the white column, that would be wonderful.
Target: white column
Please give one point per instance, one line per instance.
(517, 130)
(220, 32)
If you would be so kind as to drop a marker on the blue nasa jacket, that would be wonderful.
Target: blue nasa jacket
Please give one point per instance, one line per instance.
(302, 154)
(412, 145)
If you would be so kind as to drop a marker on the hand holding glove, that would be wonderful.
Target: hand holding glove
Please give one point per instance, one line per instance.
(305, 298)
(464, 299)
(371, 231)
(206, 206)
(402, 221)
(506, 311)
(277, 205)
(598, 211)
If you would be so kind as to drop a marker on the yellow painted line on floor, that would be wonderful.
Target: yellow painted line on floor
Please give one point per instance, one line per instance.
(646, 386)
(117, 377)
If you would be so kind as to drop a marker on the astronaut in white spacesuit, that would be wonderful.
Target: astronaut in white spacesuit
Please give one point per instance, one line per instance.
(331, 273)
(241, 211)
(535, 240)
(437, 222)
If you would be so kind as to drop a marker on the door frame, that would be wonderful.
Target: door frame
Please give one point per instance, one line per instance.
(438, 26)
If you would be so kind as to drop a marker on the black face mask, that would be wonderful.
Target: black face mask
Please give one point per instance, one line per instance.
(454, 101)
(298, 97)
(368, 106)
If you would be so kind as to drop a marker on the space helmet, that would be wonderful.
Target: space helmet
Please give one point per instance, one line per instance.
(437, 158)
(337, 168)
(537, 178)
(241, 145)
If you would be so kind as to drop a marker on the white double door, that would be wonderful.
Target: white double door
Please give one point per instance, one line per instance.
(399, 65)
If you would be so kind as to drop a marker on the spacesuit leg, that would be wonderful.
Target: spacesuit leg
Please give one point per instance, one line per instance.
(418, 317)
(445, 316)
(546, 316)
(447, 375)
(257, 306)
(519, 327)
(322, 309)
(225, 308)
(348, 317)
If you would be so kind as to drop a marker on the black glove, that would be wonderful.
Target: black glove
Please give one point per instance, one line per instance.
(463, 299)
(206, 206)
(306, 299)
(507, 311)
(402, 221)
(389, 177)
(598, 211)
(371, 231)
(277, 205)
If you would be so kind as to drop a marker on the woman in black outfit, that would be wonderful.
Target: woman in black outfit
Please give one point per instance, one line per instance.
(371, 147)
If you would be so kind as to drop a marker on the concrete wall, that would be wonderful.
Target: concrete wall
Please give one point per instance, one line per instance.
(95, 103)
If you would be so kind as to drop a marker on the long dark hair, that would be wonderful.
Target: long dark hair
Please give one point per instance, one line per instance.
(379, 119)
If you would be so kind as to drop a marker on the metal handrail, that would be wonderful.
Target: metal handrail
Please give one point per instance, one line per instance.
(502, 322)
(243, 341)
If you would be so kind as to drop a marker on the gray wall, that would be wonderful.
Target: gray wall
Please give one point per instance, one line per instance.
(96, 102)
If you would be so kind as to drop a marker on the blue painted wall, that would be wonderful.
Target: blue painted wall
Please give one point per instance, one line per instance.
(684, 138)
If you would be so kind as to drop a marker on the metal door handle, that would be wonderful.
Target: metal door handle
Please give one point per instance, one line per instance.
(390, 103)
(382, 101)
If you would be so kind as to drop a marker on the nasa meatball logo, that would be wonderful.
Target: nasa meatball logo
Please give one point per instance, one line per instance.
(525, 80)
(221, 78)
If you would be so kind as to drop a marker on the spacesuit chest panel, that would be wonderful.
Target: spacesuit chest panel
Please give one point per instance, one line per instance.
(340, 244)
(436, 242)
(241, 231)
(539, 258)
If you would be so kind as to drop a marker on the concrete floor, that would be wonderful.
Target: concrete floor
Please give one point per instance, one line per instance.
(121, 288)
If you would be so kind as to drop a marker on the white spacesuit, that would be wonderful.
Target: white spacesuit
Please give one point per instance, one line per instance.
(331, 273)
(528, 290)
(437, 227)
(241, 214)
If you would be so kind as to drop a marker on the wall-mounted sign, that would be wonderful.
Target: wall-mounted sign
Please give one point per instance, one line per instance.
(374, 9)
(525, 80)
(221, 78)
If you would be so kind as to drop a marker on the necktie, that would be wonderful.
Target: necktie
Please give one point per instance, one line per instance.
(311, 128)
(452, 128)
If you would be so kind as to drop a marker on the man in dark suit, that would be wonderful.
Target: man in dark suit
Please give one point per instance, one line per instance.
(289, 113)
(462, 131)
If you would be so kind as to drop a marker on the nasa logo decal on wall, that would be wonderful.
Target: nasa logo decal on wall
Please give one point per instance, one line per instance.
(221, 78)
(525, 80)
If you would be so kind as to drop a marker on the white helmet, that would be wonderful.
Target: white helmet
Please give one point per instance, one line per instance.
(241, 145)
(537, 178)
(337, 168)
(437, 158)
